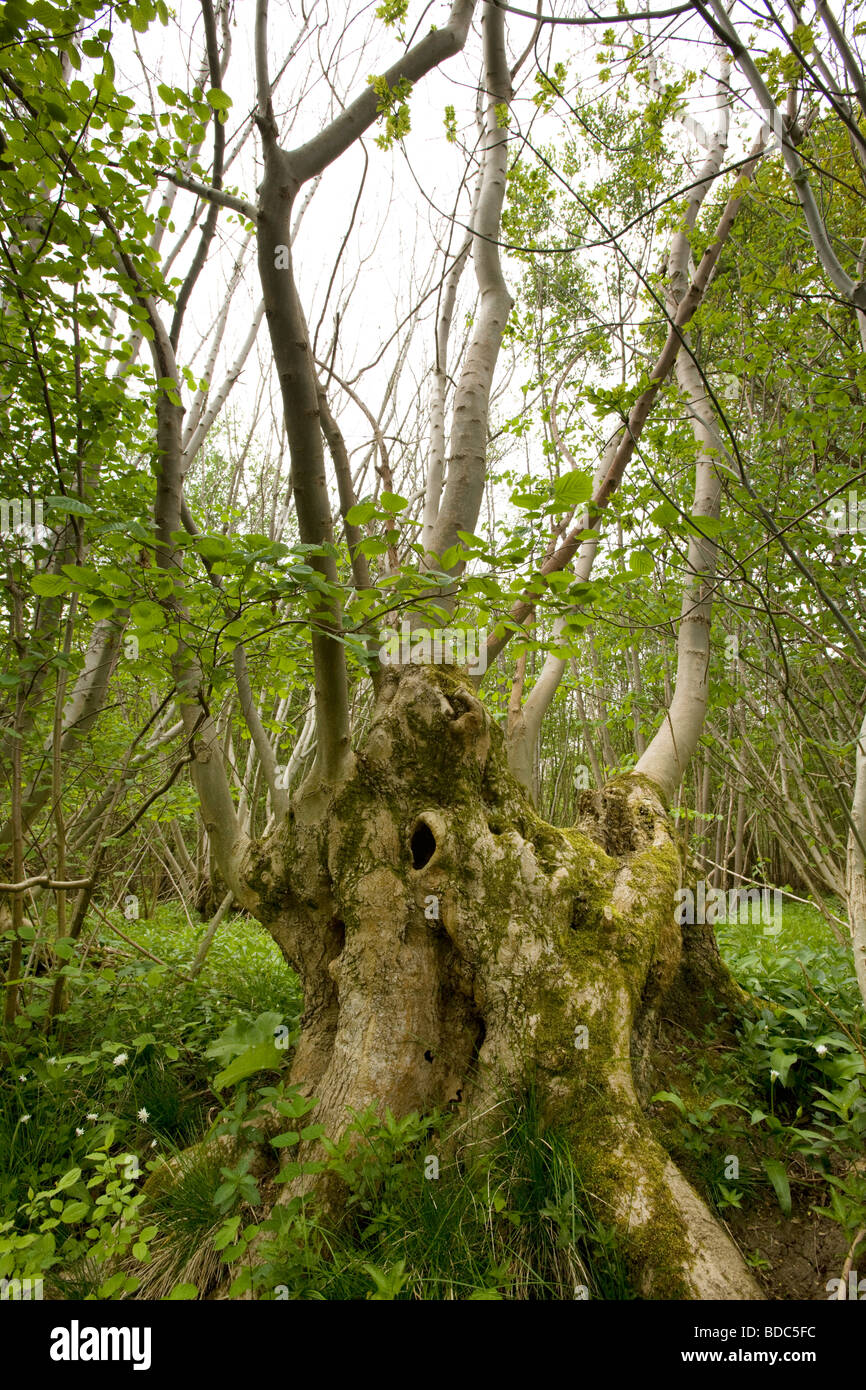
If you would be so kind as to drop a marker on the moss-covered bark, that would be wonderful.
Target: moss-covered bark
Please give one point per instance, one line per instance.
(452, 944)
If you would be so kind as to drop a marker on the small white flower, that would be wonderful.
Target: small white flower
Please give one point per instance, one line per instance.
(78, 1131)
(51, 1059)
(92, 1115)
(774, 1076)
(153, 1143)
(22, 1077)
(821, 1049)
(143, 1115)
(120, 1059)
(24, 1119)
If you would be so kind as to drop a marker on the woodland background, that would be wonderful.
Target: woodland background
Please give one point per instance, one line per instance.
(145, 1011)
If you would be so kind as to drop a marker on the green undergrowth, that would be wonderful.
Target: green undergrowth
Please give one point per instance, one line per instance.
(772, 1106)
(427, 1222)
(126, 1069)
(138, 1157)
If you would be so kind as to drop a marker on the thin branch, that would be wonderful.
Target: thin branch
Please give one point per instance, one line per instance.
(213, 195)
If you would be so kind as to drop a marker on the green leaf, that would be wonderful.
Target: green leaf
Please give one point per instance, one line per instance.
(708, 525)
(392, 502)
(672, 1098)
(68, 1180)
(527, 501)
(664, 515)
(778, 1176)
(227, 1233)
(297, 1106)
(71, 505)
(360, 513)
(74, 1211)
(371, 545)
(114, 1283)
(50, 585)
(454, 555)
(213, 547)
(182, 1292)
(312, 1132)
(242, 1284)
(146, 614)
(265, 1056)
(782, 1062)
(571, 489)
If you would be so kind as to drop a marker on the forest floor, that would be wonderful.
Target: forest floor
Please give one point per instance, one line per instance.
(796, 1256)
(767, 1115)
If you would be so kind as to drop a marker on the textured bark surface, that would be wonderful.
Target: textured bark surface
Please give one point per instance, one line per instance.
(453, 946)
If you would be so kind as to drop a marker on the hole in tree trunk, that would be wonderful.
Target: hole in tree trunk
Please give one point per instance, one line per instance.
(422, 845)
(335, 938)
(459, 704)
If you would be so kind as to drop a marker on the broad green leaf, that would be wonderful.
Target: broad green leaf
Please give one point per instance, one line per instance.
(778, 1176)
(672, 1098)
(69, 1179)
(640, 562)
(392, 502)
(571, 489)
(265, 1056)
(73, 506)
(50, 585)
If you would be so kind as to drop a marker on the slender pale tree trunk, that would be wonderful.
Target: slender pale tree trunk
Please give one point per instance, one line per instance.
(208, 938)
(738, 839)
(856, 867)
(672, 748)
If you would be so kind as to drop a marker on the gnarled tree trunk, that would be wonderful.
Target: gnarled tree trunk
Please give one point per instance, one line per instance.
(452, 945)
